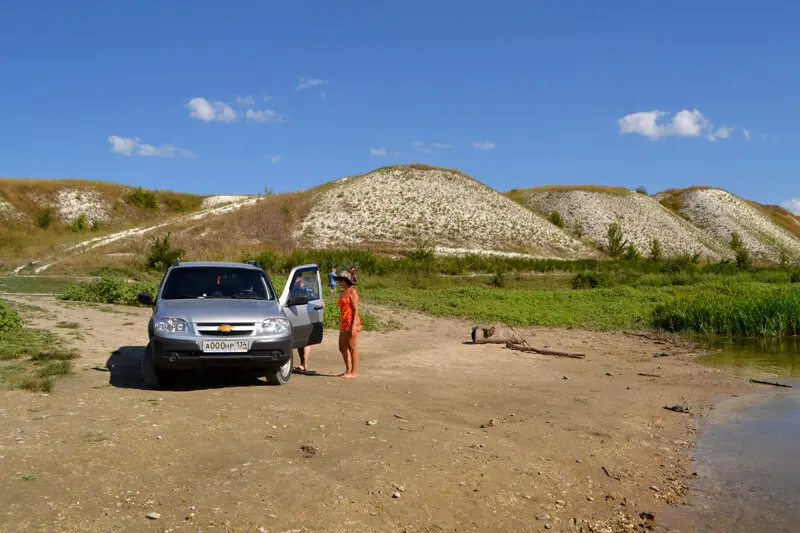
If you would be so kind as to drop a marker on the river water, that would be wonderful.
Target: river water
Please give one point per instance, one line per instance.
(748, 453)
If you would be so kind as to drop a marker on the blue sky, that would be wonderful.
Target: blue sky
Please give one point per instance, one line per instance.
(515, 93)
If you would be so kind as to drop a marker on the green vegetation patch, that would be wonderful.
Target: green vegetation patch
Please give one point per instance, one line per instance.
(30, 359)
(108, 290)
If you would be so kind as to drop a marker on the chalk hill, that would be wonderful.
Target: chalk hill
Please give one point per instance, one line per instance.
(768, 232)
(589, 211)
(407, 206)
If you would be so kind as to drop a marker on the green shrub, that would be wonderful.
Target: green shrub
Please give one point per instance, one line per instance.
(79, 224)
(556, 219)
(736, 241)
(499, 279)
(142, 198)
(9, 318)
(577, 230)
(45, 218)
(162, 254)
(655, 251)
(632, 253)
(109, 290)
(795, 277)
(642, 190)
(590, 280)
(616, 242)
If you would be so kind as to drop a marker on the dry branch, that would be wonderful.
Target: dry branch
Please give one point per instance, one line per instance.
(542, 351)
(773, 383)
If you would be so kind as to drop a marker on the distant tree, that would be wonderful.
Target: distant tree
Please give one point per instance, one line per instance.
(556, 219)
(783, 258)
(162, 254)
(577, 230)
(616, 242)
(655, 251)
(642, 190)
(743, 258)
(79, 224)
(736, 241)
(632, 253)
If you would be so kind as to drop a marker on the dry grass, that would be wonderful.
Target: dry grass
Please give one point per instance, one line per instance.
(516, 194)
(780, 216)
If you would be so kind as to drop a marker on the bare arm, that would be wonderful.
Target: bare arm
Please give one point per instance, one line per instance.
(354, 303)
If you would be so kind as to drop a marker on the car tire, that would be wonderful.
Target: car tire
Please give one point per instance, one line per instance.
(157, 378)
(281, 375)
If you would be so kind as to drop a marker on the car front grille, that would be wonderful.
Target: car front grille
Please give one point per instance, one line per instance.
(235, 333)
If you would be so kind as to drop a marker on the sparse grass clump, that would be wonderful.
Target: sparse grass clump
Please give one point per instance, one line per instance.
(556, 219)
(30, 359)
(162, 254)
(79, 224)
(45, 218)
(142, 198)
(590, 280)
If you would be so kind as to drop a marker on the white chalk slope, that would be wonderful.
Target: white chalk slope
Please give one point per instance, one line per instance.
(641, 217)
(408, 206)
(722, 213)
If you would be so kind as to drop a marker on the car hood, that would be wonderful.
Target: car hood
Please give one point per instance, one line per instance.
(218, 310)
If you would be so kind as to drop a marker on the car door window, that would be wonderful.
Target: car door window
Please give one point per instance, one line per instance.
(305, 283)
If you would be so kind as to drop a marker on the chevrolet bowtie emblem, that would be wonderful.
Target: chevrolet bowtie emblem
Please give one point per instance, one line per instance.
(225, 328)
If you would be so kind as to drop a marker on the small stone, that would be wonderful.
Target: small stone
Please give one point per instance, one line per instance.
(548, 421)
(548, 526)
(578, 460)
(461, 484)
(589, 498)
(564, 377)
(609, 374)
(542, 517)
(654, 488)
(190, 516)
(400, 488)
(561, 502)
(372, 422)
(159, 437)
(153, 516)
(396, 495)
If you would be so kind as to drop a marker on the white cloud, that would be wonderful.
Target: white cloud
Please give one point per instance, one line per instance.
(274, 158)
(245, 100)
(484, 145)
(381, 152)
(267, 98)
(207, 111)
(305, 83)
(417, 144)
(721, 133)
(792, 205)
(440, 146)
(134, 146)
(264, 116)
(685, 123)
(747, 134)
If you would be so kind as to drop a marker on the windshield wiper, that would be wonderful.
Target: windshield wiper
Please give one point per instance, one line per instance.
(247, 297)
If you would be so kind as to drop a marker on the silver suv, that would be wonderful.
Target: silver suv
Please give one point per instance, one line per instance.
(208, 315)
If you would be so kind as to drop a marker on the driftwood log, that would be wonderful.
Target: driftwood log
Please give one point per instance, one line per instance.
(495, 335)
(543, 351)
(773, 383)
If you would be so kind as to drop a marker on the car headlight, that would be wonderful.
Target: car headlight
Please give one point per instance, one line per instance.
(171, 325)
(275, 325)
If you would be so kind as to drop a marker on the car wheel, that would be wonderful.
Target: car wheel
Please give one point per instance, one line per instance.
(282, 375)
(155, 377)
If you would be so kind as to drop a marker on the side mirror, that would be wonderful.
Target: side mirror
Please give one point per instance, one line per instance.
(145, 298)
(300, 299)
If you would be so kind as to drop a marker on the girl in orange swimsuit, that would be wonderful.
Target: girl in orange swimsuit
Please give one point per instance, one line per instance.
(350, 326)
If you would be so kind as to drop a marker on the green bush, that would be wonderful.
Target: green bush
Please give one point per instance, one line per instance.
(590, 280)
(795, 277)
(632, 253)
(109, 290)
(142, 198)
(162, 254)
(655, 251)
(79, 224)
(616, 242)
(9, 318)
(556, 219)
(45, 218)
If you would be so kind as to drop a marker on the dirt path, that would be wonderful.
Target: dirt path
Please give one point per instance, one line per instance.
(102, 451)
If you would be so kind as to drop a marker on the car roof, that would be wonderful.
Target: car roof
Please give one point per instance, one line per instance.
(191, 264)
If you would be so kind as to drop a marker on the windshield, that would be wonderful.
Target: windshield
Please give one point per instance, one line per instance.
(216, 282)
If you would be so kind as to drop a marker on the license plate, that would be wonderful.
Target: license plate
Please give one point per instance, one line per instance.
(237, 346)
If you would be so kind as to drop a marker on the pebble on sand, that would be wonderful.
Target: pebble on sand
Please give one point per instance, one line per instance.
(153, 516)
(372, 422)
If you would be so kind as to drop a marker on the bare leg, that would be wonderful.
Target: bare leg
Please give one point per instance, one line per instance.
(344, 348)
(353, 356)
(304, 353)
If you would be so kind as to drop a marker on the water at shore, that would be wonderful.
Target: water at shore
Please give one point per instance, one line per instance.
(746, 458)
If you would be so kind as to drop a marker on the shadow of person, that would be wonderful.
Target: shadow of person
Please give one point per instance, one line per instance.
(125, 367)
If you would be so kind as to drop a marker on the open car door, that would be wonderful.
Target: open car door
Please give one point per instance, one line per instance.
(302, 302)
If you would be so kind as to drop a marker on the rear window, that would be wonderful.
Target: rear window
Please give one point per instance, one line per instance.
(216, 282)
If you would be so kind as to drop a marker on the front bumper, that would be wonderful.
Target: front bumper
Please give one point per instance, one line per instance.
(183, 353)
